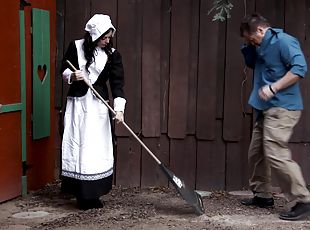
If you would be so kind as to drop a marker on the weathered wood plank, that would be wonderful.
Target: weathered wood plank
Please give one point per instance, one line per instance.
(207, 74)
(220, 84)
(76, 19)
(211, 162)
(183, 159)
(193, 67)
(127, 162)
(165, 36)
(301, 154)
(108, 7)
(232, 129)
(60, 33)
(151, 174)
(129, 40)
(273, 11)
(299, 11)
(295, 16)
(179, 69)
(305, 83)
(237, 159)
(151, 69)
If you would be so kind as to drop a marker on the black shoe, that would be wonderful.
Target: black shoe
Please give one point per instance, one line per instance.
(85, 204)
(259, 202)
(299, 211)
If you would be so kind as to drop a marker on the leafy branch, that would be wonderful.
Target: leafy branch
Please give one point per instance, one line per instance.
(223, 8)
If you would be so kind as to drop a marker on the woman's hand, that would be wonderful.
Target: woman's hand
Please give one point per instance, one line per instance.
(119, 117)
(77, 76)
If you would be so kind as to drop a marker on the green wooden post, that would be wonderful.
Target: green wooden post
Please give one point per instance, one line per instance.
(41, 73)
(23, 94)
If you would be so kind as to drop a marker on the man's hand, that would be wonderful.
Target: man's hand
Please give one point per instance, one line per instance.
(119, 117)
(266, 92)
(77, 76)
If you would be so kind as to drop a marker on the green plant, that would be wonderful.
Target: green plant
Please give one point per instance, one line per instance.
(222, 9)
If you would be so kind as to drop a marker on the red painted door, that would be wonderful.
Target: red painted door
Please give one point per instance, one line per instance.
(10, 100)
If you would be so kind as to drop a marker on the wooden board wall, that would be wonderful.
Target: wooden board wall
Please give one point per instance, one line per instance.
(185, 89)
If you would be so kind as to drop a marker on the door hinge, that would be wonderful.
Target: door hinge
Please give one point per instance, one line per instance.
(25, 167)
(24, 3)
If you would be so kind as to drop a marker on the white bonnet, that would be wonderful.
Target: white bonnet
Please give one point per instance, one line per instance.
(98, 25)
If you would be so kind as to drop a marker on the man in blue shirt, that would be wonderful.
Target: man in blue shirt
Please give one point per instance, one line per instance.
(278, 64)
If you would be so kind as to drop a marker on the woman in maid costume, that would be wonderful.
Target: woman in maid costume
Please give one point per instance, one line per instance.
(87, 145)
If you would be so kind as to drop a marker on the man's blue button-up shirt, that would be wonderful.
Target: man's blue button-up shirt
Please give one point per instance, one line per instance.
(277, 54)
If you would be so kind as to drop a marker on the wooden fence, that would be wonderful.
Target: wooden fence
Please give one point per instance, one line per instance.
(186, 88)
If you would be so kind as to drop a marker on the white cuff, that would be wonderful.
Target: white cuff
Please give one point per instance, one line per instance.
(66, 76)
(119, 104)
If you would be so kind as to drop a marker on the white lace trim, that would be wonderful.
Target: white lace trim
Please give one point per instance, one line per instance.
(92, 177)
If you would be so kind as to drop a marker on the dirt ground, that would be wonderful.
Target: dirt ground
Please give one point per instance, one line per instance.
(133, 208)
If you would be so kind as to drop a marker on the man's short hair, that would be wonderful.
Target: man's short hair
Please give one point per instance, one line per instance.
(250, 23)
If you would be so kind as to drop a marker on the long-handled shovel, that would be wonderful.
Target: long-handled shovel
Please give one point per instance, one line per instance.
(188, 194)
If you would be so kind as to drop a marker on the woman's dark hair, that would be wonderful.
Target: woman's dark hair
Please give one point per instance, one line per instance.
(250, 23)
(89, 47)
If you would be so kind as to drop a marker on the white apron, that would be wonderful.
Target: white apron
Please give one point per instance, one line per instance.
(87, 149)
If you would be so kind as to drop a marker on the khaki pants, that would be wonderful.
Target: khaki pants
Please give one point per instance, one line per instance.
(269, 149)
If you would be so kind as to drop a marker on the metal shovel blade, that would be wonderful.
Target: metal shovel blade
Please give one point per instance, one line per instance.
(188, 194)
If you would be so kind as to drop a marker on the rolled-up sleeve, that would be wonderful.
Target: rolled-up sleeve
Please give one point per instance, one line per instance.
(293, 57)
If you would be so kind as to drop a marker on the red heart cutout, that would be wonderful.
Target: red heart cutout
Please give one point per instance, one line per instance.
(41, 72)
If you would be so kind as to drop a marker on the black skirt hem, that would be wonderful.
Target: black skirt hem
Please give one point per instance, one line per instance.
(83, 189)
